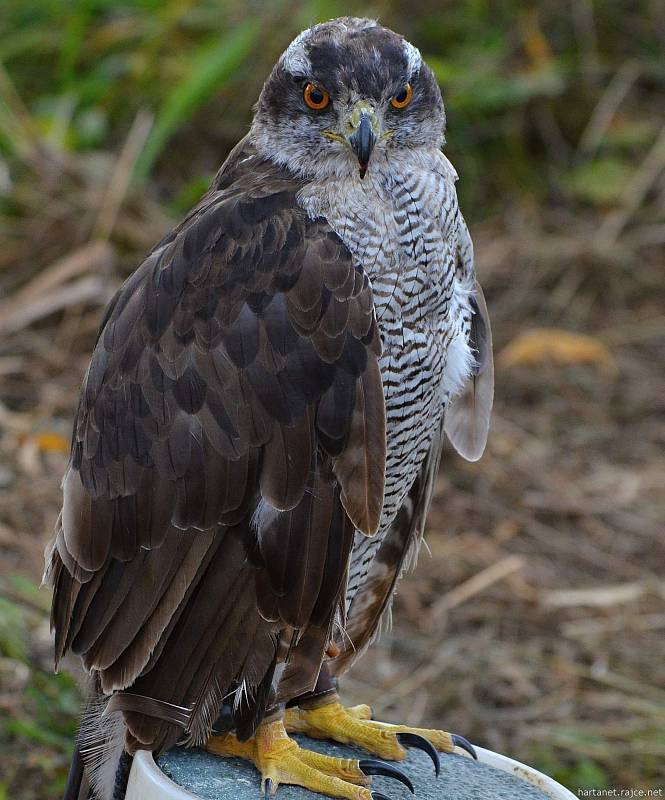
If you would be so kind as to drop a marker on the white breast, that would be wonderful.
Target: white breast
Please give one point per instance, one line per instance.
(401, 224)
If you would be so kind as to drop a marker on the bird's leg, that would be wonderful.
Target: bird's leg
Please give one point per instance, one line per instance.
(322, 716)
(281, 760)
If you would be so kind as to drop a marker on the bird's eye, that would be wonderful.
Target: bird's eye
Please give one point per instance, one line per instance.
(316, 97)
(403, 97)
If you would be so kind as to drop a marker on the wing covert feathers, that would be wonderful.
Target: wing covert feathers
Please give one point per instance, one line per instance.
(229, 436)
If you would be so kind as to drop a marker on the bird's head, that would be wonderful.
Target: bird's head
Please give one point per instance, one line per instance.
(345, 93)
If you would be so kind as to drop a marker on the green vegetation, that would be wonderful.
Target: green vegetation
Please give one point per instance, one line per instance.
(520, 80)
(39, 708)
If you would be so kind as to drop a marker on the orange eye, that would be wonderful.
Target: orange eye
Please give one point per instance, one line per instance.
(316, 97)
(403, 97)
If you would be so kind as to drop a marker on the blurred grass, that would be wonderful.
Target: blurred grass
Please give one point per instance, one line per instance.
(553, 110)
(39, 708)
(212, 64)
(519, 81)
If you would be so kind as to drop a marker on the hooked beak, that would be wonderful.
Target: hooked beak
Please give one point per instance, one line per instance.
(364, 126)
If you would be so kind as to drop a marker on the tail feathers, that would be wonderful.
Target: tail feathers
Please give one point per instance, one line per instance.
(78, 786)
(122, 776)
(249, 715)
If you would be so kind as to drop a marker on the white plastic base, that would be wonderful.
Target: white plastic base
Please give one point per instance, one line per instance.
(543, 782)
(148, 782)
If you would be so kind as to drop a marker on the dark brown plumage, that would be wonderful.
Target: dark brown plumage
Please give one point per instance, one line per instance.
(239, 429)
(238, 364)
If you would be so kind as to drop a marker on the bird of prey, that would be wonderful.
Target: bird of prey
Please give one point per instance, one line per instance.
(261, 425)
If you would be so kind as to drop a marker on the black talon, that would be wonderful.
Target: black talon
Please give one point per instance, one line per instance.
(268, 788)
(464, 744)
(379, 796)
(421, 743)
(371, 766)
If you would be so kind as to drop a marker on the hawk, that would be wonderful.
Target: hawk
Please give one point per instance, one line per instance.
(260, 428)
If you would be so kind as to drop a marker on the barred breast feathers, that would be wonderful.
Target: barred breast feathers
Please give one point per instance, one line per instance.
(403, 226)
(366, 217)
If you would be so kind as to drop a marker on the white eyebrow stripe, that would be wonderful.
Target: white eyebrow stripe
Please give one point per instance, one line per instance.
(414, 59)
(295, 59)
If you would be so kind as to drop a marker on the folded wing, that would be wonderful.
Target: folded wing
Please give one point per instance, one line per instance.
(229, 439)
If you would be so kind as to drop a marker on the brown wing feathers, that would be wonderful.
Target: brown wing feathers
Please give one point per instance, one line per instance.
(233, 403)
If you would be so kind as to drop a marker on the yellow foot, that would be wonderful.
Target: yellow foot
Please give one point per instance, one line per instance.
(280, 760)
(355, 726)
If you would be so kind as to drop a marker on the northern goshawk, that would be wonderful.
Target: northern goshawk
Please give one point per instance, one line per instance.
(261, 425)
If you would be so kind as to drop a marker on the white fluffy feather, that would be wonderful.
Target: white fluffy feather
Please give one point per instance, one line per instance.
(101, 741)
(459, 362)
